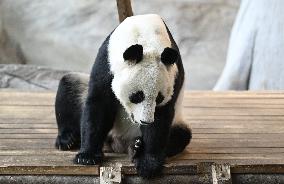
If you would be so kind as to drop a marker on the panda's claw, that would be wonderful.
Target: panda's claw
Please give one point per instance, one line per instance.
(136, 148)
(67, 142)
(88, 158)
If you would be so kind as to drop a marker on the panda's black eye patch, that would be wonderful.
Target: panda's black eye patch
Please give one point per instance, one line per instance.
(134, 53)
(137, 97)
(169, 56)
(160, 98)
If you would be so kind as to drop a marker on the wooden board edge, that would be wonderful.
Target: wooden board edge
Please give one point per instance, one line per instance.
(258, 169)
(169, 169)
(49, 170)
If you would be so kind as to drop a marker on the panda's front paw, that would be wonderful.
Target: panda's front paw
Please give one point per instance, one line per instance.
(88, 158)
(69, 141)
(135, 148)
(149, 165)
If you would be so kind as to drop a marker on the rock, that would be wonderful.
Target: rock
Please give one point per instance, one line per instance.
(29, 78)
(67, 34)
(256, 52)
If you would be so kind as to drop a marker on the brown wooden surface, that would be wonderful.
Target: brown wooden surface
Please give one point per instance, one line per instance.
(245, 129)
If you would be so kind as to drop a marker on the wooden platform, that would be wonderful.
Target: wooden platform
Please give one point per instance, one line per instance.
(243, 129)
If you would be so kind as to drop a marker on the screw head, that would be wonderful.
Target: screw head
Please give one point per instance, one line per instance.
(111, 176)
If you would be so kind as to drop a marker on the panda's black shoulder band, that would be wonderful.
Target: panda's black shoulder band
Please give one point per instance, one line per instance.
(169, 56)
(134, 53)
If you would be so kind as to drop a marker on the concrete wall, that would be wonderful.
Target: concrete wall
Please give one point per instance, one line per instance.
(66, 34)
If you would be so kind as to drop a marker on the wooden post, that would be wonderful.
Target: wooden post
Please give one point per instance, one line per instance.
(124, 9)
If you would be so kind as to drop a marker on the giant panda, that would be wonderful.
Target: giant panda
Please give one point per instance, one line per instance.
(130, 103)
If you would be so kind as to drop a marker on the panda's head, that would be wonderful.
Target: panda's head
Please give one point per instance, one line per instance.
(146, 81)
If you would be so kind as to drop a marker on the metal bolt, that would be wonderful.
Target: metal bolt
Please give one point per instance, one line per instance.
(111, 176)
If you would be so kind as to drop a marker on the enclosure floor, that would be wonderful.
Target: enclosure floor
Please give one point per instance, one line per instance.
(244, 129)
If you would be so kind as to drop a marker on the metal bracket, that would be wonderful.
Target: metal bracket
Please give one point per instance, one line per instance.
(215, 173)
(221, 174)
(110, 174)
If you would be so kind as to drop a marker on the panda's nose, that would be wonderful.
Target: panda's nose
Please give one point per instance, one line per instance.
(145, 123)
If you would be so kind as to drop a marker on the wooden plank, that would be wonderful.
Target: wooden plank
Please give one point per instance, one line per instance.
(175, 167)
(240, 105)
(54, 160)
(65, 159)
(233, 162)
(234, 102)
(26, 112)
(234, 94)
(234, 118)
(32, 152)
(28, 126)
(252, 130)
(48, 112)
(192, 97)
(52, 120)
(50, 170)
(28, 136)
(236, 143)
(208, 156)
(195, 136)
(50, 160)
(193, 125)
(17, 111)
(190, 120)
(234, 121)
(22, 144)
(240, 128)
(258, 169)
(235, 126)
(257, 136)
(27, 98)
(27, 131)
(36, 120)
(189, 150)
(233, 112)
(247, 150)
(21, 96)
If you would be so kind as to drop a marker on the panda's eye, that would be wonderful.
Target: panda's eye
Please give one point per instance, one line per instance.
(137, 97)
(160, 98)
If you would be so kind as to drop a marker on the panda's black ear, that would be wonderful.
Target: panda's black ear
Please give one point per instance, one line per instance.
(169, 56)
(134, 53)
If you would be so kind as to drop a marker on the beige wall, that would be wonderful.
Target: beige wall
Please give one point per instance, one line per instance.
(66, 34)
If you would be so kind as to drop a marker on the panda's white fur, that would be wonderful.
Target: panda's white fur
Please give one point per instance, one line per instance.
(150, 75)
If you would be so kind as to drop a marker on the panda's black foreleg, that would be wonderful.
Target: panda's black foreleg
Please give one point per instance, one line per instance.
(155, 136)
(97, 120)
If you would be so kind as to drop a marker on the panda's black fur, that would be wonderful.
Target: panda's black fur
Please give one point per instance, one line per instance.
(86, 111)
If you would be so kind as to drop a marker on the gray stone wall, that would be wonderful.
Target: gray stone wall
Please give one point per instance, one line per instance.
(66, 35)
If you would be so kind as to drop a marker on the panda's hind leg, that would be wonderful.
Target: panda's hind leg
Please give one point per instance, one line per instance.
(68, 107)
(179, 138)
